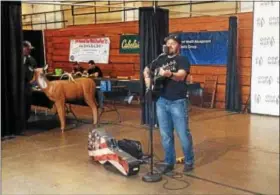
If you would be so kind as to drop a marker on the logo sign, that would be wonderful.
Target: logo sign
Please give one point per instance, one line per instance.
(270, 60)
(273, 99)
(205, 48)
(273, 21)
(129, 44)
(273, 60)
(265, 80)
(267, 41)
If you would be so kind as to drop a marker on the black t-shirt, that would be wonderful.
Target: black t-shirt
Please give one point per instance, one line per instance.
(94, 70)
(173, 90)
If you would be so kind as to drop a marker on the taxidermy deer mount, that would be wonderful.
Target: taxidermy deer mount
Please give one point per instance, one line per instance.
(61, 90)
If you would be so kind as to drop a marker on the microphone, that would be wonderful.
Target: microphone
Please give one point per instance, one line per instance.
(165, 49)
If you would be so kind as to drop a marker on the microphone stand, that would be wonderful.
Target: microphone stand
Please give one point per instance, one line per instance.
(151, 176)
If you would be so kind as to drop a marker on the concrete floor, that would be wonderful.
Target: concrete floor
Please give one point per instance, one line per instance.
(235, 154)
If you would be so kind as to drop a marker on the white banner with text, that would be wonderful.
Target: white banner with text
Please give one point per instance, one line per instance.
(265, 59)
(96, 49)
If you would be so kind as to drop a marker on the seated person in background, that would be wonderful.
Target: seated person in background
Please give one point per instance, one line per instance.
(94, 70)
(77, 68)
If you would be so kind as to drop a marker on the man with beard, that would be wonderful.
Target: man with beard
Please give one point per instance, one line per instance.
(171, 106)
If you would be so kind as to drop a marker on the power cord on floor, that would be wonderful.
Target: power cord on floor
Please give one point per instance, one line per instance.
(177, 177)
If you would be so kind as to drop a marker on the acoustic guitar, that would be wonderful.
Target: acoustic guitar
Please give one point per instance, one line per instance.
(158, 80)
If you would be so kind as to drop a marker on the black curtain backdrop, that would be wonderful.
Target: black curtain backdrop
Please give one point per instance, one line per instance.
(153, 28)
(12, 71)
(233, 99)
(36, 39)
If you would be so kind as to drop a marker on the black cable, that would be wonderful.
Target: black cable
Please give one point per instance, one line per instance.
(173, 175)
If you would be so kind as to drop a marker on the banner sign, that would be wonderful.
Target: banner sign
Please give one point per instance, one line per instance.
(205, 48)
(265, 59)
(129, 44)
(96, 49)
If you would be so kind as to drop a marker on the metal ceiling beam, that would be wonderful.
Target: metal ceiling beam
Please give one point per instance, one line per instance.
(74, 4)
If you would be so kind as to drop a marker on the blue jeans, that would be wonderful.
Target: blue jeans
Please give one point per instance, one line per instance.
(174, 114)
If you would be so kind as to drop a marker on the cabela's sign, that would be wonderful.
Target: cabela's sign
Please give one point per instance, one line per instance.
(129, 44)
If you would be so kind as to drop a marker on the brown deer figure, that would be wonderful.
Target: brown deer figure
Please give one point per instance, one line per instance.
(61, 90)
